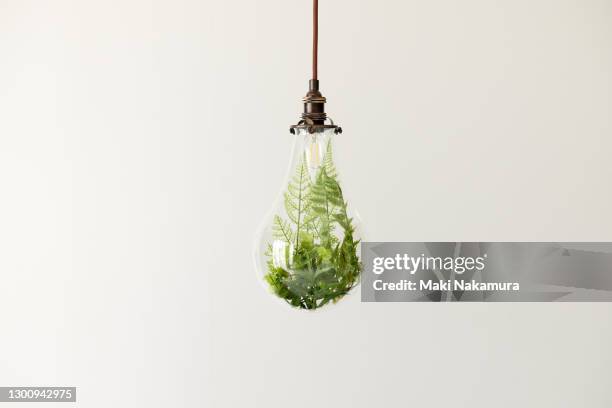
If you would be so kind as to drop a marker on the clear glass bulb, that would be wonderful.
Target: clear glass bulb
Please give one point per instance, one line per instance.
(307, 251)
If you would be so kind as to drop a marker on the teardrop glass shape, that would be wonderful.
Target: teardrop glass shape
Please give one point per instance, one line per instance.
(307, 251)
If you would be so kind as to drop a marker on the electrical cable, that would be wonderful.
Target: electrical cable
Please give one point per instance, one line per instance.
(315, 38)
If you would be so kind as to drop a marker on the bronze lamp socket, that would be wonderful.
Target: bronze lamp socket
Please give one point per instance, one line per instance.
(314, 116)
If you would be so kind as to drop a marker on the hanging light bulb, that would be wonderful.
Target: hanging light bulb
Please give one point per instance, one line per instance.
(307, 250)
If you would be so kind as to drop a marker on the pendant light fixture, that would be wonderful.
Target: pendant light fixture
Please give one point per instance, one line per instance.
(307, 250)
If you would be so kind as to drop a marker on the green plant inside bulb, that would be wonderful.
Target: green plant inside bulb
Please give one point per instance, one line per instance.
(312, 257)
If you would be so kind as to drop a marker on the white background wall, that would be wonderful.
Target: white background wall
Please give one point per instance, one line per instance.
(141, 142)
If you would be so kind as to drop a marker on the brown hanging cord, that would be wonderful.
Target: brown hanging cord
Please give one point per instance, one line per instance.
(315, 37)
(314, 116)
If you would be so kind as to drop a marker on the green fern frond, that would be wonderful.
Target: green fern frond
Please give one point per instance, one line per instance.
(342, 218)
(296, 203)
(325, 197)
(282, 230)
(328, 162)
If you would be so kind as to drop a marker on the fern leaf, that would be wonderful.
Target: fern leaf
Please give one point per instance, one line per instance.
(328, 162)
(282, 230)
(296, 203)
(325, 197)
